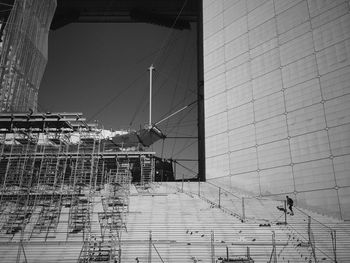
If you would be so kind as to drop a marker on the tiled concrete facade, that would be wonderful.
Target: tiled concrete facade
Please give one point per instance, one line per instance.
(277, 99)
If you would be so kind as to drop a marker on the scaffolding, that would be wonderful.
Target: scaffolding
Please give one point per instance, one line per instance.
(23, 53)
(60, 179)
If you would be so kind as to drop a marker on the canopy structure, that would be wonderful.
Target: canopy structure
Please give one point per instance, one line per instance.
(145, 137)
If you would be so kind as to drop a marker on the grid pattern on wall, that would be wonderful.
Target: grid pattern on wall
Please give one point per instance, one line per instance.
(277, 99)
(23, 54)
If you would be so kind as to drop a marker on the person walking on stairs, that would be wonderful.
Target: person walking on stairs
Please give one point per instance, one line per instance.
(290, 204)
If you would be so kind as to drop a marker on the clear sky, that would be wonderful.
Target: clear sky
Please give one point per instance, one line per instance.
(101, 71)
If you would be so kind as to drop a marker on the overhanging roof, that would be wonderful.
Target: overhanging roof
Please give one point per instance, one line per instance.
(161, 12)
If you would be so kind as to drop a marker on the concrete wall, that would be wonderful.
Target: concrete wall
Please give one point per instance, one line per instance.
(277, 99)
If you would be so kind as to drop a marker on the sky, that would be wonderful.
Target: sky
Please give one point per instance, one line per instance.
(101, 70)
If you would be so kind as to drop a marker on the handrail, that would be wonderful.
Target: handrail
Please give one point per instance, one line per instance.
(253, 197)
(224, 190)
(330, 228)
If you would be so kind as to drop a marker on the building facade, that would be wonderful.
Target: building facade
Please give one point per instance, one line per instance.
(23, 50)
(277, 99)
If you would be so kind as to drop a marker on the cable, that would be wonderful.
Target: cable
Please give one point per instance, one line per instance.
(115, 97)
(170, 33)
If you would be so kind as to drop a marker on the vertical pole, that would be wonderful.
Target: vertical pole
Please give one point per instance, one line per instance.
(199, 187)
(212, 247)
(311, 241)
(150, 248)
(182, 185)
(219, 197)
(334, 244)
(151, 68)
(285, 211)
(274, 247)
(243, 210)
(200, 94)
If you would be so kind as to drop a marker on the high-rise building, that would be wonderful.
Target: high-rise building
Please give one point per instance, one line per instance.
(23, 50)
(277, 99)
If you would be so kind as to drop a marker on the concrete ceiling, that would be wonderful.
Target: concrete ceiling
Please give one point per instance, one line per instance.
(160, 12)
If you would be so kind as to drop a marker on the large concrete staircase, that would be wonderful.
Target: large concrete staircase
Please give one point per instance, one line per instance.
(180, 225)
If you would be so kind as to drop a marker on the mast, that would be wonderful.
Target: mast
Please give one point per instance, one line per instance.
(151, 68)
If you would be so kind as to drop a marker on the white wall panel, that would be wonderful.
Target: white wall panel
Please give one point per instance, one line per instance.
(253, 4)
(334, 57)
(319, 6)
(267, 84)
(234, 12)
(214, 59)
(216, 124)
(296, 49)
(248, 182)
(344, 200)
(272, 129)
(239, 95)
(303, 95)
(229, 3)
(262, 33)
(236, 29)
(264, 48)
(214, 86)
(216, 145)
(276, 180)
(238, 61)
(236, 47)
(213, 26)
(282, 5)
(314, 175)
(322, 201)
(312, 146)
(214, 42)
(240, 116)
(332, 32)
(292, 17)
(306, 120)
(261, 14)
(213, 72)
(211, 10)
(217, 166)
(337, 111)
(206, 3)
(237, 75)
(340, 140)
(241, 138)
(269, 106)
(274, 154)
(336, 83)
(215, 104)
(265, 63)
(299, 71)
(330, 15)
(295, 32)
(243, 161)
(342, 170)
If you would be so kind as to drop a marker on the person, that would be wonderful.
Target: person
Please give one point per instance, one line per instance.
(290, 204)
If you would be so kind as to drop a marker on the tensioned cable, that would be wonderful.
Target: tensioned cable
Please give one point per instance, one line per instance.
(195, 173)
(184, 98)
(115, 97)
(184, 148)
(178, 77)
(170, 33)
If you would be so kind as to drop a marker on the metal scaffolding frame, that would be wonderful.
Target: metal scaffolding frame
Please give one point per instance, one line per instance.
(58, 177)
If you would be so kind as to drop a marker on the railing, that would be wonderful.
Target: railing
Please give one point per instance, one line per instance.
(312, 233)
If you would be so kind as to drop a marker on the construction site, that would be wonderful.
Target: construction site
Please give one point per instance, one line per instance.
(72, 191)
